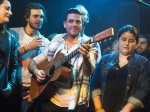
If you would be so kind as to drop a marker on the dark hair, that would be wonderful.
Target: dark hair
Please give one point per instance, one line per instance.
(115, 42)
(3, 27)
(73, 11)
(146, 37)
(27, 11)
(1, 1)
(128, 28)
(81, 6)
(50, 37)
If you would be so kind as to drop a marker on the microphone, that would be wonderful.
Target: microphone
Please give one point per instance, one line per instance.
(139, 1)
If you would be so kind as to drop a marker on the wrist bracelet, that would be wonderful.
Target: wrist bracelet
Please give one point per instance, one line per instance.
(97, 109)
(27, 47)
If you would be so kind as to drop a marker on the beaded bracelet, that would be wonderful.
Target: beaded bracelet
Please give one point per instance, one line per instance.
(25, 48)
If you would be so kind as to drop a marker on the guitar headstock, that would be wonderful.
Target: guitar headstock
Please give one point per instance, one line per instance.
(103, 35)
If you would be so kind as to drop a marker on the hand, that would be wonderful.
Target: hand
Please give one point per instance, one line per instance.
(128, 107)
(84, 49)
(40, 75)
(36, 43)
(7, 91)
(123, 110)
(27, 97)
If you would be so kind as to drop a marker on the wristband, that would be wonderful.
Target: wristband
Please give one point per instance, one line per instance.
(27, 47)
(97, 109)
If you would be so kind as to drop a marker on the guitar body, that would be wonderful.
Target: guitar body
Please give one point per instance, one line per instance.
(41, 92)
(45, 90)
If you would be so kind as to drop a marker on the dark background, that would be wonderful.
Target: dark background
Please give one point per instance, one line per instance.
(102, 13)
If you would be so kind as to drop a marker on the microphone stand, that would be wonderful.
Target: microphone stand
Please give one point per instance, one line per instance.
(141, 1)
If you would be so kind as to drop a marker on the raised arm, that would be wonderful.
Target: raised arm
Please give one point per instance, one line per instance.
(35, 43)
(90, 55)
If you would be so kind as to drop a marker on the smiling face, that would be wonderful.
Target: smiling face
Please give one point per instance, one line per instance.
(127, 43)
(35, 20)
(73, 24)
(5, 12)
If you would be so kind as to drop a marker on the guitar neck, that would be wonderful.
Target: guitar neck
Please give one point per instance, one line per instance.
(98, 37)
(71, 55)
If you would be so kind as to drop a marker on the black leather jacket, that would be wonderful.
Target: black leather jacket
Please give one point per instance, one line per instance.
(13, 63)
(138, 79)
(8, 75)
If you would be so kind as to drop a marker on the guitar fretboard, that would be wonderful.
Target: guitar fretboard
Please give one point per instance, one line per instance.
(98, 37)
(71, 55)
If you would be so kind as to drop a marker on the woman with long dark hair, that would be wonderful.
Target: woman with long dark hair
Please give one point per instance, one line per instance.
(8, 56)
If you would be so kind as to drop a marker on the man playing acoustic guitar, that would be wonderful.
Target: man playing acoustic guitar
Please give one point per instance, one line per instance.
(72, 95)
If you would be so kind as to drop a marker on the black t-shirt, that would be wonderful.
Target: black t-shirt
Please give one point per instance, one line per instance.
(115, 88)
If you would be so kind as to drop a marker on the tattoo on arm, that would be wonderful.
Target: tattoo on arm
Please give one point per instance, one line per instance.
(32, 66)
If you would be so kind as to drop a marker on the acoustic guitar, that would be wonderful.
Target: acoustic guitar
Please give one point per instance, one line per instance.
(59, 70)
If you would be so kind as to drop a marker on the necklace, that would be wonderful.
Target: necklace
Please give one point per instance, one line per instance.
(68, 46)
(121, 64)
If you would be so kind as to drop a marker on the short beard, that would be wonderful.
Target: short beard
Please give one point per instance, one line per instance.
(34, 27)
(144, 53)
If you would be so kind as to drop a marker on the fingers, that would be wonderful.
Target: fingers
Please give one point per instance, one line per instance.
(25, 97)
(40, 41)
(36, 43)
(84, 49)
(40, 75)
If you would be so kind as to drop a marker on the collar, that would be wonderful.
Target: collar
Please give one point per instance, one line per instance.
(116, 56)
(77, 40)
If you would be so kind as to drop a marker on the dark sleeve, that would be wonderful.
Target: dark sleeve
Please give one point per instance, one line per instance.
(13, 61)
(95, 81)
(144, 84)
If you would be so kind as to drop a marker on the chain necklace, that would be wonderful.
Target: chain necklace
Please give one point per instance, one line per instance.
(121, 64)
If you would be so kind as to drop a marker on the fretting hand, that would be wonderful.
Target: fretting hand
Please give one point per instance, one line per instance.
(84, 50)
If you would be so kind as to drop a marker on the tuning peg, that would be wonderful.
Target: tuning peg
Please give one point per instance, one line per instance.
(100, 42)
(110, 38)
(105, 40)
